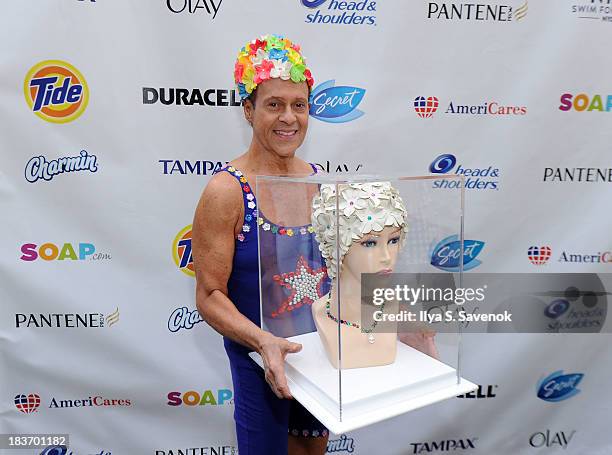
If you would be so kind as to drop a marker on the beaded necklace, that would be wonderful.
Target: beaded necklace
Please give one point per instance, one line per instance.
(371, 338)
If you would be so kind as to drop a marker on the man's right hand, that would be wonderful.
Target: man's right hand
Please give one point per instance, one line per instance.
(273, 351)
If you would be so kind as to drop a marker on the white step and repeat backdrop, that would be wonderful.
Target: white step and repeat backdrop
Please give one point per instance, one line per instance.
(114, 116)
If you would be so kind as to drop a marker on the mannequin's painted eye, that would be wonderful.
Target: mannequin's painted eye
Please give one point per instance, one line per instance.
(394, 240)
(369, 243)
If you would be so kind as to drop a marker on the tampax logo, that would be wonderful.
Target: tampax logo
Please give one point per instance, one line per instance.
(210, 7)
(444, 445)
(446, 254)
(341, 12)
(51, 252)
(488, 391)
(583, 102)
(426, 107)
(548, 438)
(56, 91)
(217, 397)
(593, 9)
(342, 444)
(539, 255)
(478, 178)
(66, 320)
(190, 97)
(183, 318)
(480, 12)
(332, 104)
(558, 386)
(38, 168)
(197, 167)
(181, 251)
(27, 403)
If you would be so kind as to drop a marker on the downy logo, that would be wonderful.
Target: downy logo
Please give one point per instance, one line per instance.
(477, 178)
(447, 252)
(335, 104)
(558, 386)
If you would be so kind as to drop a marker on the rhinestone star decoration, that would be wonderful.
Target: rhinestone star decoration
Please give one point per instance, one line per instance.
(304, 283)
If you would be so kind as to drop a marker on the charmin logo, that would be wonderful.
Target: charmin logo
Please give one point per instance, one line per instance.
(207, 397)
(539, 255)
(66, 320)
(184, 167)
(490, 12)
(181, 251)
(335, 104)
(446, 254)
(556, 308)
(551, 439)
(38, 167)
(208, 450)
(478, 178)
(593, 9)
(558, 386)
(56, 91)
(183, 318)
(209, 7)
(51, 252)
(445, 445)
(482, 392)
(578, 174)
(341, 12)
(27, 403)
(582, 102)
(425, 107)
(190, 97)
(328, 167)
(63, 450)
(342, 444)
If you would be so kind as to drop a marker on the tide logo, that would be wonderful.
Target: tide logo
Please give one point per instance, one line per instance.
(582, 102)
(426, 107)
(51, 251)
(56, 91)
(181, 251)
(27, 404)
(193, 398)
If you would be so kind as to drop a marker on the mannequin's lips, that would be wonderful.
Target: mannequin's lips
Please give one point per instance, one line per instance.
(385, 272)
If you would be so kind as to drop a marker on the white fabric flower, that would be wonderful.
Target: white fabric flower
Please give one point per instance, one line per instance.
(281, 69)
(372, 220)
(351, 200)
(259, 57)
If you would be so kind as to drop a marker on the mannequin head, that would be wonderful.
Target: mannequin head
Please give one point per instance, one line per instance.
(372, 226)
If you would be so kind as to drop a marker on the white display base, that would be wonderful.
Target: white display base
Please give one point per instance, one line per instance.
(369, 395)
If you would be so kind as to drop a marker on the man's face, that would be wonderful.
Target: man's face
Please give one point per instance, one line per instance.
(280, 115)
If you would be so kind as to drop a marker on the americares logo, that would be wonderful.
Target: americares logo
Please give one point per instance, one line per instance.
(539, 255)
(38, 167)
(335, 104)
(558, 386)
(50, 252)
(56, 91)
(207, 397)
(426, 107)
(446, 254)
(582, 102)
(341, 12)
(181, 251)
(27, 404)
(478, 178)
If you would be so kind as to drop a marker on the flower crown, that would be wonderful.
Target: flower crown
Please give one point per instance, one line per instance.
(270, 56)
(364, 207)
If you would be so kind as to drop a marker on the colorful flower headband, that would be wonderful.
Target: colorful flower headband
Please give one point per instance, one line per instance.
(270, 56)
(364, 207)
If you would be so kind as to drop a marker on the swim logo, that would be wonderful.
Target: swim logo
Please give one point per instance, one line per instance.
(27, 404)
(341, 12)
(558, 386)
(426, 107)
(477, 178)
(56, 91)
(539, 255)
(38, 168)
(446, 254)
(181, 251)
(336, 104)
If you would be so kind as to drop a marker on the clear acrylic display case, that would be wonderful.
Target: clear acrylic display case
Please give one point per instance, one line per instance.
(355, 369)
